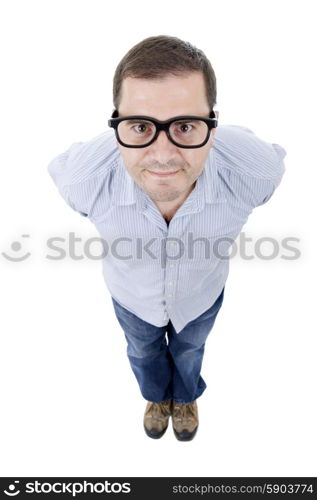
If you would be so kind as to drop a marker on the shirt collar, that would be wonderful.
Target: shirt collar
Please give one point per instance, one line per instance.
(124, 187)
(207, 189)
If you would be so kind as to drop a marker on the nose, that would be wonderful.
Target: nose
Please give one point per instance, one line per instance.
(162, 147)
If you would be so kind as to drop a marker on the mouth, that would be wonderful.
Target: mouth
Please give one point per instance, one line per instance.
(165, 174)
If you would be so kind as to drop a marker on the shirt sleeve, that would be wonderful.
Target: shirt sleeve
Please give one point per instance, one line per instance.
(58, 170)
(82, 172)
(250, 168)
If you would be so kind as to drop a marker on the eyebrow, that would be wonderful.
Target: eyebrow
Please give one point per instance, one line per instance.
(138, 120)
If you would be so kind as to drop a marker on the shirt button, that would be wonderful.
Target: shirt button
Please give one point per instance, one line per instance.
(170, 282)
(170, 295)
(172, 265)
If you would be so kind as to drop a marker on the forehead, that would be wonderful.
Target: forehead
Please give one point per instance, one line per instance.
(161, 98)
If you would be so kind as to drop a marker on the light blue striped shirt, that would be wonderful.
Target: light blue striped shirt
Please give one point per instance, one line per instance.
(176, 271)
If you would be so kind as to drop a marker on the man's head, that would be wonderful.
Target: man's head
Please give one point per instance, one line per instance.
(163, 77)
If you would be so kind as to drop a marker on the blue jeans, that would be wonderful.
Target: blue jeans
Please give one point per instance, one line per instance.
(167, 370)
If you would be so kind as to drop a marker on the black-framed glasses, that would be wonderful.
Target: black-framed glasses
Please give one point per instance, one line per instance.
(184, 131)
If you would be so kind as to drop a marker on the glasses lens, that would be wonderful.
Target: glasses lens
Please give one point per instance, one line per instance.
(184, 132)
(189, 133)
(136, 132)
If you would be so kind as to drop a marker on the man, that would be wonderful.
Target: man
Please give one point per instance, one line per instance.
(168, 195)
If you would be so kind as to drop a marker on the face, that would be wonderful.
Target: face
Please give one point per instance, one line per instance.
(164, 99)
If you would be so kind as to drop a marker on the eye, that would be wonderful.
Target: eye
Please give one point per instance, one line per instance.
(140, 127)
(186, 127)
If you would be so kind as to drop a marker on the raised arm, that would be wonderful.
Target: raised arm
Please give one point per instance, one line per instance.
(82, 171)
(250, 167)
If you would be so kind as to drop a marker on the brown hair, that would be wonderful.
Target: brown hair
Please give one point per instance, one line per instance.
(158, 56)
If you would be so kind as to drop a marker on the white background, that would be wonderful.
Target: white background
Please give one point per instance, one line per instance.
(70, 403)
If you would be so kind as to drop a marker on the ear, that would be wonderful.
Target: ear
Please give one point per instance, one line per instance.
(213, 130)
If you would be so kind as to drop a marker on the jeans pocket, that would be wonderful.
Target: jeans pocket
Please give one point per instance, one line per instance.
(121, 310)
(212, 311)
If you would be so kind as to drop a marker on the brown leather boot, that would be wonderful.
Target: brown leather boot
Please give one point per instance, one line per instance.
(156, 417)
(185, 420)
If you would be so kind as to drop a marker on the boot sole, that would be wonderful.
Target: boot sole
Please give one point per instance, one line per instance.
(154, 434)
(185, 435)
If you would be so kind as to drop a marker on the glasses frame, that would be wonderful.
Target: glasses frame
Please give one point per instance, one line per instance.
(114, 121)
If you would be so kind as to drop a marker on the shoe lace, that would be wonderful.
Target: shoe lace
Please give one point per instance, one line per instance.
(185, 410)
(159, 409)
